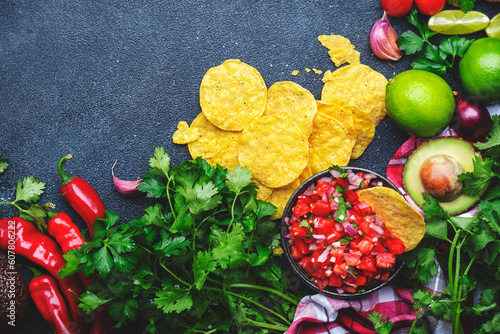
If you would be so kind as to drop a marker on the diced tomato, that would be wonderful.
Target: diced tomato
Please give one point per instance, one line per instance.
(315, 198)
(361, 174)
(320, 273)
(378, 248)
(351, 197)
(304, 200)
(302, 247)
(365, 246)
(334, 235)
(295, 253)
(384, 275)
(385, 260)
(306, 264)
(358, 280)
(395, 245)
(335, 280)
(341, 269)
(322, 188)
(367, 263)
(363, 209)
(317, 260)
(320, 208)
(337, 252)
(325, 226)
(300, 210)
(322, 283)
(299, 231)
(352, 259)
(348, 288)
(343, 183)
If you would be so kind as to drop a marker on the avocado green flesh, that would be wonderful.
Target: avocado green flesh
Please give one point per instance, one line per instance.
(457, 148)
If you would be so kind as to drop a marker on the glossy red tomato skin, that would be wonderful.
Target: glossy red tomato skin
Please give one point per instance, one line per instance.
(397, 8)
(429, 7)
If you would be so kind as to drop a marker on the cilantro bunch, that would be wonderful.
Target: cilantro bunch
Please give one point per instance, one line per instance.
(430, 57)
(466, 248)
(198, 261)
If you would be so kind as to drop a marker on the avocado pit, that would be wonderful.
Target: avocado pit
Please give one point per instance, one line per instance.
(439, 176)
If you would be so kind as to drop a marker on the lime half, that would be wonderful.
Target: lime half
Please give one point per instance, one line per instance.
(456, 22)
(493, 29)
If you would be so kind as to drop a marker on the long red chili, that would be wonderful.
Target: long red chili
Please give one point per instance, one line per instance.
(81, 196)
(69, 237)
(49, 301)
(23, 238)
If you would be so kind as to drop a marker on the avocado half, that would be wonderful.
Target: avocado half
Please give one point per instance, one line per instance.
(462, 151)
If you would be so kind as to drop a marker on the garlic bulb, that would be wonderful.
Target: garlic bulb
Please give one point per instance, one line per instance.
(383, 40)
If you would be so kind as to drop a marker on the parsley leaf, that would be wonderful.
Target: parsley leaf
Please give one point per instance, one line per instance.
(381, 327)
(432, 58)
(29, 190)
(4, 163)
(172, 299)
(464, 5)
(475, 182)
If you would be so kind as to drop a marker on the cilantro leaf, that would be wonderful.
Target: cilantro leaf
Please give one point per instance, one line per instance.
(203, 264)
(160, 162)
(421, 260)
(3, 164)
(172, 299)
(90, 301)
(238, 179)
(476, 181)
(464, 5)
(381, 327)
(230, 250)
(171, 246)
(493, 138)
(410, 42)
(29, 190)
(152, 186)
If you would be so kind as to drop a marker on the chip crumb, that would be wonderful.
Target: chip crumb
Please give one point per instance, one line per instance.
(295, 72)
(308, 70)
(317, 71)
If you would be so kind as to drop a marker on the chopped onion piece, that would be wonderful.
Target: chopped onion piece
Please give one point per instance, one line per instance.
(324, 256)
(335, 173)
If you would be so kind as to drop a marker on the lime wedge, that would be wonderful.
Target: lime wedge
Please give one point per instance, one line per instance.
(456, 22)
(493, 29)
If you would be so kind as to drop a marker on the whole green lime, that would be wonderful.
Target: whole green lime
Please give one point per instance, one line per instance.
(480, 70)
(419, 102)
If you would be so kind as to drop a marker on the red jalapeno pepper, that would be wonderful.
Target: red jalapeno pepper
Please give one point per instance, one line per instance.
(81, 196)
(49, 301)
(69, 237)
(22, 237)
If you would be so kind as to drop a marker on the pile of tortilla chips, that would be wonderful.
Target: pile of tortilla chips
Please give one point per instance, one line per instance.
(281, 133)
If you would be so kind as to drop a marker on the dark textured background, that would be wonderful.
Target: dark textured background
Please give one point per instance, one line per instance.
(109, 80)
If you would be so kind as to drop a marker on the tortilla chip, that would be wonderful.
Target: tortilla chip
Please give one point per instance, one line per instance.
(341, 50)
(274, 149)
(232, 95)
(358, 85)
(185, 134)
(291, 101)
(211, 139)
(343, 115)
(280, 196)
(400, 218)
(328, 144)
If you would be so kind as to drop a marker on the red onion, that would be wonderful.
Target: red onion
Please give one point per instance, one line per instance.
(335, 173)
(348, 227)
(471, 120)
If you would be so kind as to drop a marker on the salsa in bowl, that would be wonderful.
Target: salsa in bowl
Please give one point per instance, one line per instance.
(334, 241)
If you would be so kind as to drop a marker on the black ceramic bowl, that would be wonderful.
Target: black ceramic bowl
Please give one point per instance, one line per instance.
(299, 271)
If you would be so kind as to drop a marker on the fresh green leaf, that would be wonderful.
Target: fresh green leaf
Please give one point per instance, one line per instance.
(152, 187)
(160, 161)
(171, 245)
(203, 264)
(172, 299)
(90, 301)
(103, 261)
(238, 179)
(476, 181)
(493, 138)
(437, 228)
(29, 190)
(410, 42)
(381, 326)
(464, 5)
(4, 163)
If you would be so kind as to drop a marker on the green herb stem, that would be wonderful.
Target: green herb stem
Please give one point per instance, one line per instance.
(169, 199)
(175, 276)
(250, 301)
(258, 287)
(265, 325)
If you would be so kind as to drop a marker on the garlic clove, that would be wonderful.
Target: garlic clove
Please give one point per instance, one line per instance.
(383, 40)
(124, 187)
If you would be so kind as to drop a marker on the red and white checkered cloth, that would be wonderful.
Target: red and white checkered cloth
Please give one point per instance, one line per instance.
(319, 314)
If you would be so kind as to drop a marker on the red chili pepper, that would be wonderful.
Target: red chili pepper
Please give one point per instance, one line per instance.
(81, 196)
(50, 303)
(69, 237)
(22, 237)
